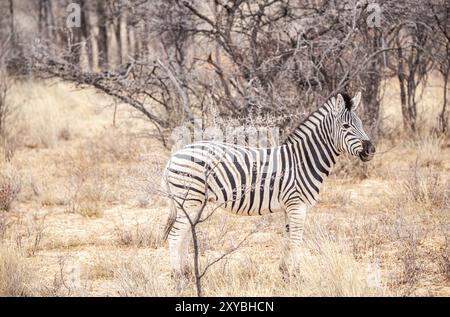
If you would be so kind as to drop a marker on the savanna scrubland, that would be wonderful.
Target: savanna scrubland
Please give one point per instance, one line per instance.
(85, 117)
(81, 218)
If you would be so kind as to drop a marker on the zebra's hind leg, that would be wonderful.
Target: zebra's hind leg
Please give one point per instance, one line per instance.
(179, 246)
(180, 237)
(285, 247)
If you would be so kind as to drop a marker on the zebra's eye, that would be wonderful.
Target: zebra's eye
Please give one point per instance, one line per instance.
(346, 125)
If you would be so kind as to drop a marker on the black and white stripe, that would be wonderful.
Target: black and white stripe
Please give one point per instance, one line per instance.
(252, 181)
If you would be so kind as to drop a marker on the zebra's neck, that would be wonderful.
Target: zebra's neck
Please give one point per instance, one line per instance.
(314, 151)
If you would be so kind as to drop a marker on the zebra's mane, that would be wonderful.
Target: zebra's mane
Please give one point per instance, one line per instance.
(348, 106)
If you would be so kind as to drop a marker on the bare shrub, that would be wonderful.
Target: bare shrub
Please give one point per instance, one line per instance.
(15, 273)
(10, 185)
(411, 235)
(367, 234)
(411, 265)
(88, 200)
(65, 281)
(28, 233)
(35, 231)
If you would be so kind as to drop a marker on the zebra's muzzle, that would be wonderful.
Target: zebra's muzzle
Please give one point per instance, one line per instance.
(367, 152)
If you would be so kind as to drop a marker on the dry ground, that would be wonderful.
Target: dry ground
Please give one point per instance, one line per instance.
(84, 221)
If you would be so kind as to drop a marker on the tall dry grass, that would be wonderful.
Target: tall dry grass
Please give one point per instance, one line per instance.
(16, 276)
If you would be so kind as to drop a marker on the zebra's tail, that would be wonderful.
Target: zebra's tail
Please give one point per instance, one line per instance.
(173, 210)
(170, 221)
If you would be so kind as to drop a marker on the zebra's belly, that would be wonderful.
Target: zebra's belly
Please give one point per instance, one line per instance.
(246, 206)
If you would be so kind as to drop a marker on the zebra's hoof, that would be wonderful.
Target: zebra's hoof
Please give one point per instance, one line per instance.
(185, 273)
(289, 271)
(285, 276)
(188, 273)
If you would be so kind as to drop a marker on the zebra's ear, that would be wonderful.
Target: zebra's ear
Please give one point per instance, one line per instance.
(339, 104)
(356, 101)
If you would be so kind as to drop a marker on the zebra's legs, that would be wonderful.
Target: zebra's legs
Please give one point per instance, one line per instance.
(296, 221)
(180, 236)
(179, 245)
(285, 245)
(297, 217)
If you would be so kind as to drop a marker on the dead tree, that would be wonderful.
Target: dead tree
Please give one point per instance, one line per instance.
(413, 65)
(441, 16)
(246, 58)
(6, 111)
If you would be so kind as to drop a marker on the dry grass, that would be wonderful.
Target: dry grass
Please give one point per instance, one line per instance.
(141, 277)
(330, 269)
(429, 151)
(424, 187)
(140, 235)
(379, 229)
(100, 270)
(16, 277)
(443, 258)
(41, 121)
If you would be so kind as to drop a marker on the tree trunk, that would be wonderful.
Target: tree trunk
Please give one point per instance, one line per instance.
(407, 91)
(86, 33)
(41, 17)
(443, 116)
(11, 22)
(46, 20)
(401, 81)
(412, 105)
(102, 39)
(131, 36)
(118, 35)
(144, 41)
(371, 81)
(137, 42)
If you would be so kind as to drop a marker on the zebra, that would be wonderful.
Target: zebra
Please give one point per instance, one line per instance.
(256, 181)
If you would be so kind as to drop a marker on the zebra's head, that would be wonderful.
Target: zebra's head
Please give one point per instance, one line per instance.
(349, 135)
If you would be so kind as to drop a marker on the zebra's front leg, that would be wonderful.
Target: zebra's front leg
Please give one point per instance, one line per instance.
(296, 216)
